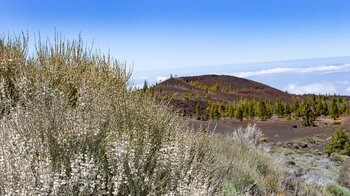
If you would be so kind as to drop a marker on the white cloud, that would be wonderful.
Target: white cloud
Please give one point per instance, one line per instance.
(343, 82)
(161, 78)
(348, 90)
(263, 72)
(314, 88)
(281, 70)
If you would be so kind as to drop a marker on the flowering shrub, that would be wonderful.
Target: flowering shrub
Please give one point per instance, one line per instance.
(70, 125)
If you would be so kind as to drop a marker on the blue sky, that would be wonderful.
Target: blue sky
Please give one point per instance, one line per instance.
(187, 37)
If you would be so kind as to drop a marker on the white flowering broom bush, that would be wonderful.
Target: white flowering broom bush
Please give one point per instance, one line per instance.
(70, 125)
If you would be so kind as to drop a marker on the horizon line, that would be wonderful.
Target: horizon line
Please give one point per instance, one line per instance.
(257, 62)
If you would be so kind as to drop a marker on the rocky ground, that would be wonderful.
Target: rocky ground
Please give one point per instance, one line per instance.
(304, 159)
(300, 149)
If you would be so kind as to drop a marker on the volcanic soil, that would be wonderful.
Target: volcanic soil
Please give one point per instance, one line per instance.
(277, 130)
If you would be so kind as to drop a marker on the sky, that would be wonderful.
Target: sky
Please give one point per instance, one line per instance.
(286, 44)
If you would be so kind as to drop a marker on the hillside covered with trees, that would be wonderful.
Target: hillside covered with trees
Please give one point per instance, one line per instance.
(213, 97)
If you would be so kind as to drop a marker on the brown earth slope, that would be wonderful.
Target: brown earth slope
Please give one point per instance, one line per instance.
(236, 88)
(186, 92)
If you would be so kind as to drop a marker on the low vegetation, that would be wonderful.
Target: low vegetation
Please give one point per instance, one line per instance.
(316, 172)
(250, 168)
(72, 124)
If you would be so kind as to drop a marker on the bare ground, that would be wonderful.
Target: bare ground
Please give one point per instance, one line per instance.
(277, 129)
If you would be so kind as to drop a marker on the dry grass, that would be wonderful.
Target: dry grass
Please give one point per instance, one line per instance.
(250, 167)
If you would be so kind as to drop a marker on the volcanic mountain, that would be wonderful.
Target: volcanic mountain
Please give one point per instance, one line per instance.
(185, 93)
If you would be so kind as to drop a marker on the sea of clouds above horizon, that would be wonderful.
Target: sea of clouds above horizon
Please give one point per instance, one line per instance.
(311, 76)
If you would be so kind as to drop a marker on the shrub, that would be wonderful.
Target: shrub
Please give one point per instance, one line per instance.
(336, 122)
(187, 96)
(214, 88)
(247, 163)
(339, 143)
(214, 111)
(263, 139)
(70, 125)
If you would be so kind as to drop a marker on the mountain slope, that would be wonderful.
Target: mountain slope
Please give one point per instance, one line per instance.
(186, 92)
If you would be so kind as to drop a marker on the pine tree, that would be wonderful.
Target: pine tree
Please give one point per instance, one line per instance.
(230, 111)
(261, 110)
(325, 108)
(347, 111)
(214, 111)
(287, 111)
(313, 104)
(279, 109)
(339, 142)
(245, 108)
(319, 107)
(334, 109)
(251, 111)
(296, 109)
(342, 105)
(145, 86)
(269, 110)
(239, 113)
(308, 117)
(211, 111)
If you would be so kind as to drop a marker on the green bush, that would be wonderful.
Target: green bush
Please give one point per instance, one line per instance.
(339, 143)
(214, 88)
(264, 139)
(187, 96)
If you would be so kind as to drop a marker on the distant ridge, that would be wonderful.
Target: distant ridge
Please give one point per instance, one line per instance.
(236, 88)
